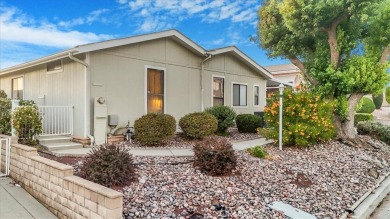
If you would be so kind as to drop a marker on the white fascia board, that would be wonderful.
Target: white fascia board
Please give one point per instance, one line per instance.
(276, 82)
(141, 38)
(264, 72)
(36, 62)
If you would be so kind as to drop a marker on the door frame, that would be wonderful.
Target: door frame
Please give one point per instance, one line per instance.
(146, 86)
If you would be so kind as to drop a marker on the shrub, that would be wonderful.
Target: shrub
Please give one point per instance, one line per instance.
(248, 123)
(363, 117)
(109, 166)
(378, 100)
(307, 119)
(5, 116)
(375, 129)
(198, 125)
(257, 151)
(154, 128)
(387, 94)
(215, 156)
(225, 116)
(367, 105)
(27, 123)
(3, 95)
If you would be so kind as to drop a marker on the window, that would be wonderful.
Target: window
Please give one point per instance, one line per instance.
(218, 91)
(256, 91)
(239, 95)
(55, 66)
(155, 91)
(17, 88)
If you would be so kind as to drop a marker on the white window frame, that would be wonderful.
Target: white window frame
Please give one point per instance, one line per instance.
(258, 98)
(146, 86)
(55, 71)
(212, 88)
(12, 85)
(239, 83)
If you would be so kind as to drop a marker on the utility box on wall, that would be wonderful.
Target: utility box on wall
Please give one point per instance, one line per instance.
(100, 121)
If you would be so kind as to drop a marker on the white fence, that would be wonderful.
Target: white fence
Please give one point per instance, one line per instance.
(56, 120)
(5, 156)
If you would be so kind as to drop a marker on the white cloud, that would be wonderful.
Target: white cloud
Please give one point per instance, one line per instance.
(16, 28)
(89, 19)
(218, 41)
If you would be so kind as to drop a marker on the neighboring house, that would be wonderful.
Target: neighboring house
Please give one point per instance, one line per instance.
(287, 74)
(160, 72)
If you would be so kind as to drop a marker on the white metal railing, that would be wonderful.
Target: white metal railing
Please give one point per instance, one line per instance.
(56, 120)
(5, 156)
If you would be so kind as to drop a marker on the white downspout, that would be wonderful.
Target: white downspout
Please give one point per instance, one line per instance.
(70, 55)
(201, 81)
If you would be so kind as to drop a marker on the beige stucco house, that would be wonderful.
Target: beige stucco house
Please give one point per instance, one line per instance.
(159, 72)
(288, 74)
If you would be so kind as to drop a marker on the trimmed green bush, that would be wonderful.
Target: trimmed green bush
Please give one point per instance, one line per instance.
(3, 95)
(375, 129)
(248, 123)
(307, 119)
(154, 128)
(27, 124)
(359, 117)
(257, 151)
(367, 105)
(388, 94)
(215, 156)
(198, 125)
(109, 166)
(225, 116)
(378, 100)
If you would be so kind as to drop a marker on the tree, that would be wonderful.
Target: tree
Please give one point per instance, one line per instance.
(340, 46)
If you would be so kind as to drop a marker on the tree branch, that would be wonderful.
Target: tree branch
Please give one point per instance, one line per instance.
(332, 40)
(385, 55)
(293, 59)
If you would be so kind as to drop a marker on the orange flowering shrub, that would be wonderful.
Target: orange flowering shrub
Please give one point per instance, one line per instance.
(307, 119)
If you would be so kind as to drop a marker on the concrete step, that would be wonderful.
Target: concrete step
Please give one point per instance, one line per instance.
(61, 146)
(54, 139)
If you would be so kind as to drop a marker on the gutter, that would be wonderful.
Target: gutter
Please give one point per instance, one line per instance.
(209, 56)
(70, 55)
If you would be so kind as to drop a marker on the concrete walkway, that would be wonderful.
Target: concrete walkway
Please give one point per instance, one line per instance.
(382, 115)
(15, 202)
(383, 211)
(175, 152)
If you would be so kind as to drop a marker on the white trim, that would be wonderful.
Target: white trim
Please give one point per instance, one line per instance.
(247, 101)
(87, 96)
(258, 98)
(212, 88)
(55, 71)
(146, 86)
(12, 85)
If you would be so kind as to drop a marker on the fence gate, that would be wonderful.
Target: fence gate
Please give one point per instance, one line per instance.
(5, 156)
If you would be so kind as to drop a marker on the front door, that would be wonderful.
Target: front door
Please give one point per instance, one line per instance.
(155, 91)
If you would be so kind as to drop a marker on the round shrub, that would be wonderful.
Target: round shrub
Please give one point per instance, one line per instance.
(109, 165)
(225, 116)
(375, 129)
(257, 151)
(215, 156)
(387, 94)
(198, 125)
(27, 123)
(359, 117)
(367, 105)
(307, 119)
(378, 100)
(248, 123)
(154, 128)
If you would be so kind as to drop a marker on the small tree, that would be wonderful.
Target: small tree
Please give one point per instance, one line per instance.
(27, 123)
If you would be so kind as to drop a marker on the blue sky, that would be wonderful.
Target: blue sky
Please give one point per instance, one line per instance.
(30, 29)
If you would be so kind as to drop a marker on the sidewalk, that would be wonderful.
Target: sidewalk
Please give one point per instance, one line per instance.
(383, 211)
(174, 152)
(15, 202)
(382, 115)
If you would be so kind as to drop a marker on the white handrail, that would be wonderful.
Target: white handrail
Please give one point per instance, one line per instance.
(56, 120)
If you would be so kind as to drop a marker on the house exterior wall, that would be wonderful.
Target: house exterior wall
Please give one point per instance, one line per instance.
(63, 88)
(118, 75)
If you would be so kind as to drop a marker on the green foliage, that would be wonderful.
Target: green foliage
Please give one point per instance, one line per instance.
(225, 116)
(341, 107)
(5, 116)
(359, 117)
(109, 166)
(307, 119)
(154, 128)
(375, 129)
(378, 100)
(248, 123)
(367, 105)
(215, 156)
(387, 94)
(257, 151)
(3, 95)
(27, 123)
(198, 125)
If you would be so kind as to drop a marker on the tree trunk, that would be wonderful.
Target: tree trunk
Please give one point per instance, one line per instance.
(346, 129)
